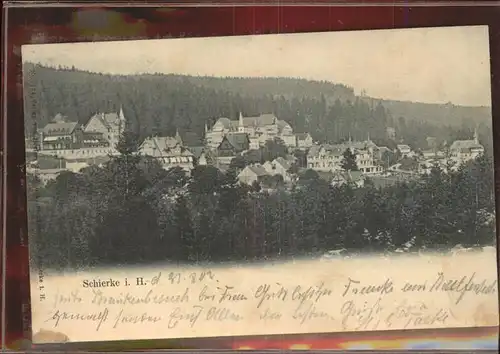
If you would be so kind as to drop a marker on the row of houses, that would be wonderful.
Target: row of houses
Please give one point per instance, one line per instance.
(79, 144)
(260, 173)
(225, 140)
(328, 157)
(101, 133)
(258, 130)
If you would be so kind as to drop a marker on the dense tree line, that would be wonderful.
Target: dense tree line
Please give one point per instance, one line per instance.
(132, 211)
(160, 104)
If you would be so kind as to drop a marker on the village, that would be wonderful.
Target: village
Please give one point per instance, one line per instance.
(63, 145)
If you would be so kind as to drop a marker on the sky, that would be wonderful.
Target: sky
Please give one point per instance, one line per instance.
(432, 65)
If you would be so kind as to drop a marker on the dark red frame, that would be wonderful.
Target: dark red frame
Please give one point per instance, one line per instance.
(83, 23)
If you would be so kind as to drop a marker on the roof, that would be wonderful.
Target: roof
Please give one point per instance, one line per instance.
(165, 146)
(226, 122)
(360, 145)
(257, 169)
(109, 120)
(403, 146)
(465, 145)
(160, 143)
(256, 121)
(384, 148)
(283, 162)
(237, 140)
(339, 149)
(260, 121)
(198, 150)
(64, 128)
(335, 149)
(331, 149)
(59, 118)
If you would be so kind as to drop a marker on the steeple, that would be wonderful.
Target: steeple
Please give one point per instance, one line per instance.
(241, 127)
(178, 136)
(206, 128)
(368, 137)
(120, 114)
(350, 138)
(122, 121)
(476, 138)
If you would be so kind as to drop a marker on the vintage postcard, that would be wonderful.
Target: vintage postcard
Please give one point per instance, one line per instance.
(258, 185)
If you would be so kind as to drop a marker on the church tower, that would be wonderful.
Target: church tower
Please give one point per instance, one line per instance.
(476, 138)
(241, 127)
(178, 136)
(121, 121)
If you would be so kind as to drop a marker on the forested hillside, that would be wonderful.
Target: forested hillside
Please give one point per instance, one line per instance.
(160, 104)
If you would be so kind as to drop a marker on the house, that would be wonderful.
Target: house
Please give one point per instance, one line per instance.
(252, 173)
(232, 144)
(354, 178)
(325, 157)
(303, 140)
(328, 157)
(404, 150)
(258, 128)
(279, 166)
(462, 151)
(169, 152)
(104, 129)
(61, 134)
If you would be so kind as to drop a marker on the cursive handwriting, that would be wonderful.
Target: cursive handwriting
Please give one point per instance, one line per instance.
(179, 315)
(71, 298)
(220, 314)
(265, 293)
(309, 312)
(98, 317)
(353, 288)
(193, 278)
(462, 286)
(135, 319)
(151, 297)
(228, 294)
(311, 293)
(428, 319)
(270, 315)
(360, 317)
(405, 312)
(215, 306)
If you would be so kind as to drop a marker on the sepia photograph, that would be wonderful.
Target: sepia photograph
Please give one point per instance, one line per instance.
(259, 147)
(252, 151)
